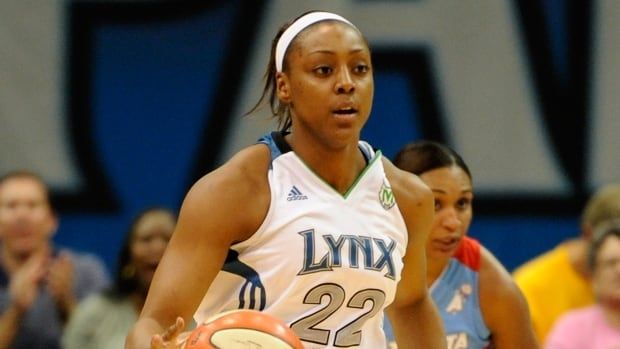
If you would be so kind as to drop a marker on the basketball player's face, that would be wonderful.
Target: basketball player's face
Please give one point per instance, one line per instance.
(452, 189)
(26, 219)
(150, 239)
(329, 82)
(606, 278)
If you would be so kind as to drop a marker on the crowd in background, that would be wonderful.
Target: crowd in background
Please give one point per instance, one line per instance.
(53, 297)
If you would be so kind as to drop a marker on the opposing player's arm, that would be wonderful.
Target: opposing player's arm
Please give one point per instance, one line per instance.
(499, 295)
(413, 315)
(224, 207)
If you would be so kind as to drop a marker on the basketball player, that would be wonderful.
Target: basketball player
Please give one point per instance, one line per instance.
(480, 305)
(310, 225)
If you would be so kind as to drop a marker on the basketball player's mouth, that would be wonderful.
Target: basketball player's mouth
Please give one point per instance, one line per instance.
(345, 112)
(446, 245)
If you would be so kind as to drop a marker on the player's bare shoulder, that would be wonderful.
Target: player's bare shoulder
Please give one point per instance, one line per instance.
(493, 275)
(410, 191)
(237, 191)
(250, 166)
(245, 172)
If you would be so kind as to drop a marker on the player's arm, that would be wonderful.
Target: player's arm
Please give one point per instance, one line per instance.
(224, 207)
(413, 315)
(499, 295)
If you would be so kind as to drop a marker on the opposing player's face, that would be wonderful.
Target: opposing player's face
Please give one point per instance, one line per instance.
(453, 209)
(150, 239)
(606, 278)
(26, 219)
(328, 84)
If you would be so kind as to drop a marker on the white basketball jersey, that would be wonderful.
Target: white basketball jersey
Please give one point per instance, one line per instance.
(325, 263)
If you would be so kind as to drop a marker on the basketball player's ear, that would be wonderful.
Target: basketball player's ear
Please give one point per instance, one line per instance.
(283, 87)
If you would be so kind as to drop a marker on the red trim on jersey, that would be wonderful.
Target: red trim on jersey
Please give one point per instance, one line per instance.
(468, 253)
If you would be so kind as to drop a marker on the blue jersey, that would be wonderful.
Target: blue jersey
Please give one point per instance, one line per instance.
(456, 294)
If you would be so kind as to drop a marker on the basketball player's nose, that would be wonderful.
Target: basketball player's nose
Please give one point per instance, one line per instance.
(344, 82)
(451, 220)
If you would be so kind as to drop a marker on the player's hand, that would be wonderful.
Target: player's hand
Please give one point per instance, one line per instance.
(171, 338)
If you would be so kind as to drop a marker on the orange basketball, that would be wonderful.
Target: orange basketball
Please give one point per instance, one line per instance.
(243, 329)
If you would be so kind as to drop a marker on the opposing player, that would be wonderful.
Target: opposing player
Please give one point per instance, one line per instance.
(311, 224)
(480, 305)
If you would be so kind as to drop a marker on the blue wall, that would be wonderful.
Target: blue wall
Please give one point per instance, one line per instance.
(146, 82)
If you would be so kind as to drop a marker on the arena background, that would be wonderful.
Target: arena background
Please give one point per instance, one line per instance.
(124, 104)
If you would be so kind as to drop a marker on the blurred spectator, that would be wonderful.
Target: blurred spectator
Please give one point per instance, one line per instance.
(39, 283)
(103, 320)
(596, 326)
(558, 280)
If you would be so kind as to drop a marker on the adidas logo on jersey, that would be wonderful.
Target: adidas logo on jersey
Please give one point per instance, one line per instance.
(295, 194)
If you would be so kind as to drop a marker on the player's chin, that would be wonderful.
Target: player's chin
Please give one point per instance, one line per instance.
(340, 138)
(438, 255)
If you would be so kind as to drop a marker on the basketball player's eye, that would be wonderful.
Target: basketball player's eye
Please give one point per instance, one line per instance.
(463, 203)
(323, 70)
(361, 68)
(437, 205)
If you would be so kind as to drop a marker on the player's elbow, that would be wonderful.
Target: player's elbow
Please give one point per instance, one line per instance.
(414, 300)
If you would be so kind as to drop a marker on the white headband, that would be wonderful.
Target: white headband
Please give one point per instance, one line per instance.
(302, 23)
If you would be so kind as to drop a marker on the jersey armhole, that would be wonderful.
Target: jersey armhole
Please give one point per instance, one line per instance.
(468, 253)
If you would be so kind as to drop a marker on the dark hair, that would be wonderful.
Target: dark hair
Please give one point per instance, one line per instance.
(602, 232)
(423, 156)
(27, 174)
(279, 110)
(126, 282)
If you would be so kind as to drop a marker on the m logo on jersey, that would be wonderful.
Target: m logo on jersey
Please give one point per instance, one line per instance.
(386, 196)
(361, 249)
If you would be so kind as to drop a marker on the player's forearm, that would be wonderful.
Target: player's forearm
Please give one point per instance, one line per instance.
(140, 335)
(418, 326)
(9, 323)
